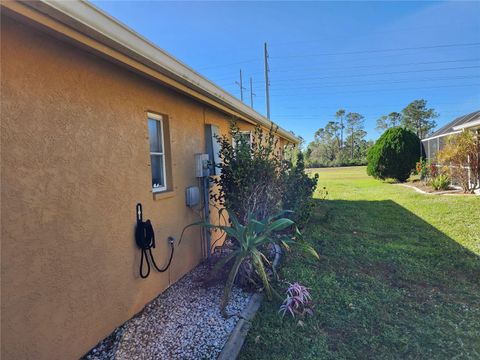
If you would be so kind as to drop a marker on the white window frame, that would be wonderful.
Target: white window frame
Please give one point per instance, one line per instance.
(159, 118)
(243, 133)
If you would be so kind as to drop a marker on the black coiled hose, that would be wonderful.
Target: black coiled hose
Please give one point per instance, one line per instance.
(145, 239)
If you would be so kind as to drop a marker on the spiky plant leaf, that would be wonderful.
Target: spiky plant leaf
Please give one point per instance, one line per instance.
(259, 266)
(279, 224)
(228, 286)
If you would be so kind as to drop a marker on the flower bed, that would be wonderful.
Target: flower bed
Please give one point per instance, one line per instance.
(427, 188)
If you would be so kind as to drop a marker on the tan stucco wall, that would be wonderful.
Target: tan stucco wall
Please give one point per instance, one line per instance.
(75, 161)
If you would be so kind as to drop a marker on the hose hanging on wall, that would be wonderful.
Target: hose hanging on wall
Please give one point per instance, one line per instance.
(145, 239)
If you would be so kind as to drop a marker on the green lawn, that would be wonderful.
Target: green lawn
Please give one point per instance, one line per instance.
(399, 277)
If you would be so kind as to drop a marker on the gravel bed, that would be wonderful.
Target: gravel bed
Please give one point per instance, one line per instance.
(184, 322)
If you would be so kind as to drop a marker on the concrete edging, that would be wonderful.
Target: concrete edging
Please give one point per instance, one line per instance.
(445, 192)
(237, 338)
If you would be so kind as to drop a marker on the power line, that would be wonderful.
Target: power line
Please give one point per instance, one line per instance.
(368, 74)
(389, 89)
(378, 50)
(326, 38)
(377, 90)
(361, 106)
(382, 73)
(378, 66)
(433, 103)
(357, 67)
(322, 86)
(341, 53)
(225, 65)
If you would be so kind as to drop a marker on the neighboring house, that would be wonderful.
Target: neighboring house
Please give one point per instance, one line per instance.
(95, 119)
(436, 141)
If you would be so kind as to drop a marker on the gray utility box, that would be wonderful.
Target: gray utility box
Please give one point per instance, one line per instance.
(201, 165)
(192, 196)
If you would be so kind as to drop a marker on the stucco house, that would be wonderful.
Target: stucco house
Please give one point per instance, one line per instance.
(94, 119)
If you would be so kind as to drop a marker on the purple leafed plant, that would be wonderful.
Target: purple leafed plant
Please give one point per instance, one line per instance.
(298, 300)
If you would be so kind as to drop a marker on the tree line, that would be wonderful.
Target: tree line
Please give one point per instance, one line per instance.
(342, 141)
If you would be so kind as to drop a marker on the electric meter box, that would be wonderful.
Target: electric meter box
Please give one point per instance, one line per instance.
(192, 196)
(201, 165)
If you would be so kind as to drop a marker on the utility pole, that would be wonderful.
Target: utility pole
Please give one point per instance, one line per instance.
(267, 83)
(240, 84)
(251, 94)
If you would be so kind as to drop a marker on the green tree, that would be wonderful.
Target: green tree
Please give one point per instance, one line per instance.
(359, 145)
(355, 123)
(325, 146)
(340, 116)
(363, 148)
(394, 154)
(388, 121)
(418, 118)
(334, 129)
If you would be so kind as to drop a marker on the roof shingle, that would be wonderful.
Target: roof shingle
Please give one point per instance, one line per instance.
(447, 129)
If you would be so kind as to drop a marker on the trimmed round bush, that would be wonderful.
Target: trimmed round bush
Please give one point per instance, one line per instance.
(394, 154)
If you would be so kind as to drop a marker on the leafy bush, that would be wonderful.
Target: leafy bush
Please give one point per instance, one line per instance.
(247, 241)
(440, 182)
(421, 168)
(251, 180)
(426, 170)
(462, 154)
(298, 192)
(394, 154)
(298, 301)
(255, 180)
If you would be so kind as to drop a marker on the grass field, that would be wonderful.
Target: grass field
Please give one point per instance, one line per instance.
(399, 277)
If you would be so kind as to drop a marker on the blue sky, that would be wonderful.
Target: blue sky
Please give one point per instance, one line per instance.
(367, 57)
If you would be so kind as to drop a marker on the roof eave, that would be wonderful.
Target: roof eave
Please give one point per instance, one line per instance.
(441, 135)
(470, 124)
(92, 20)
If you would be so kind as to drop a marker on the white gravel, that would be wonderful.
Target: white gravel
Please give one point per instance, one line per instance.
(184, 322)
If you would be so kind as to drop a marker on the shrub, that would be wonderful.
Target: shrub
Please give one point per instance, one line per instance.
(440, 182)
(251, 180)
(298, 192)
(426, 170)
(421, 169)
(256, 181)
(394, 154)
(462, 154)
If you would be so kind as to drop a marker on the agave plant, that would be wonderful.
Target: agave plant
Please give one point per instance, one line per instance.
(248, 239)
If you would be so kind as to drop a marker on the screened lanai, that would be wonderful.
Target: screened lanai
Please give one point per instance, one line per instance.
(437, 140)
